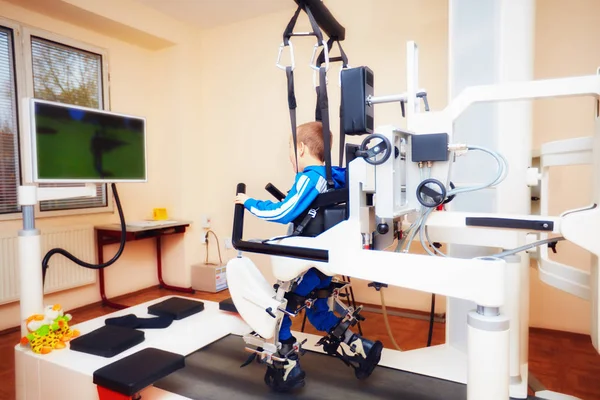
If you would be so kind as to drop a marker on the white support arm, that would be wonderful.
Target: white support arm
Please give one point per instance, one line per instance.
(561, 87)
(477, 280)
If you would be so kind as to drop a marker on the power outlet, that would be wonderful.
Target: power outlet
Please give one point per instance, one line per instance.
(228, 243)
(205, 221)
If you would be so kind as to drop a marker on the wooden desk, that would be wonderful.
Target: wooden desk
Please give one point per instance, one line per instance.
(111, 234)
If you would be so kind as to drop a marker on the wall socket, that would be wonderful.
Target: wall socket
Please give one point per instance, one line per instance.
(205, 221)
(228, 243)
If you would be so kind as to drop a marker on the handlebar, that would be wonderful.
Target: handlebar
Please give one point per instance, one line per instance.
(270, 249)
(278, 194)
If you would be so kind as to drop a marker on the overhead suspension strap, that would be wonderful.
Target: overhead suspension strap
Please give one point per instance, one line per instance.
(289, 30)
(323, 103)
(289, 72)
(322, 108)
(343, 58)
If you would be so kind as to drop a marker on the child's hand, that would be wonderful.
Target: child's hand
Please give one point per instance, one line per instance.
(241, 198)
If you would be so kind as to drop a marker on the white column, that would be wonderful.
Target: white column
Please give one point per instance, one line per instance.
(491, 42)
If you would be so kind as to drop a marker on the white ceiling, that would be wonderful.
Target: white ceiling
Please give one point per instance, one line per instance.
(211, 13)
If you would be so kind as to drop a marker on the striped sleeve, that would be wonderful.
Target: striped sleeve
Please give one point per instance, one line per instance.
(299, 198)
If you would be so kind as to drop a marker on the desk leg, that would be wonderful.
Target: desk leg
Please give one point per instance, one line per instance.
(163, 285)
(105, 300)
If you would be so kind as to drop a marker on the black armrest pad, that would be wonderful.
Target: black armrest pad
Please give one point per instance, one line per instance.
(133, 373)
(176, 308)
(227, 305)
(107, 341)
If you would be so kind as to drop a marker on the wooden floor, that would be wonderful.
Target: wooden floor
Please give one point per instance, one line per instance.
(562, 362)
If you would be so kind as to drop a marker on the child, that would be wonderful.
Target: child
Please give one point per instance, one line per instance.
(309, 183)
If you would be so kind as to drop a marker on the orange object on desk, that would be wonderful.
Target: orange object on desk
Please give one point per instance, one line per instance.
(160, 214)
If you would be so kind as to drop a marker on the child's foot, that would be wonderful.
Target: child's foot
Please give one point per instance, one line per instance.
(285, 376)
(367, 355)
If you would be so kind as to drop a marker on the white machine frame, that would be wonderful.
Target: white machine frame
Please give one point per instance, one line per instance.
(496, 326)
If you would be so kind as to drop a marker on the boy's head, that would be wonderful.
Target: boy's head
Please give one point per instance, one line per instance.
(310, 146)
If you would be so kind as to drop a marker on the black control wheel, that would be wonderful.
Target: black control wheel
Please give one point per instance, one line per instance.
(450, 198)
(377, 153)
(430, 196)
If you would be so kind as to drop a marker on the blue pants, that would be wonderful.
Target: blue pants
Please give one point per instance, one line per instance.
(319, 314)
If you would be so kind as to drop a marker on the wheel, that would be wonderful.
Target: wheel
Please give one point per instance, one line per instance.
(428, 196)
(377, 153)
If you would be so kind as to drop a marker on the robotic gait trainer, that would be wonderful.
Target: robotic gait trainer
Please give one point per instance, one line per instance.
(400, 190)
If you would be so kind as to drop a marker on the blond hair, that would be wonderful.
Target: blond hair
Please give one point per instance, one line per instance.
(311, 134)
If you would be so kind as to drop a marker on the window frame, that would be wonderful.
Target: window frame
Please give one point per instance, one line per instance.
(22, 34)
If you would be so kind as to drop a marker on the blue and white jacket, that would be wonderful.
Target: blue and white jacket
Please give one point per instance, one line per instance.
(307, 186)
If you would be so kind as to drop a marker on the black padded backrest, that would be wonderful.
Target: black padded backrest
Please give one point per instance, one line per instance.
(326, 216)
(133, 373)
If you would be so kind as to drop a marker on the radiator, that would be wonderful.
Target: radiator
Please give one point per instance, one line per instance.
(62, 273)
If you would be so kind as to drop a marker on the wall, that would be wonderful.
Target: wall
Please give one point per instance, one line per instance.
(145, 80)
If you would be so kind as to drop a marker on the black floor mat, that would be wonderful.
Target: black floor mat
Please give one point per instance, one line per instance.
(214, 372)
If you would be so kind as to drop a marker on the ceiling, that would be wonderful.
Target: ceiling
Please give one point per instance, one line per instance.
(210, 13)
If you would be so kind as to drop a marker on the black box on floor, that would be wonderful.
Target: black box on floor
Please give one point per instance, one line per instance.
(107, 341)
(357, 86)
(133, 373)
(176, 308)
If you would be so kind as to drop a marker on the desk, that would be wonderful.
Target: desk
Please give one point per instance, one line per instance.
(111, 234)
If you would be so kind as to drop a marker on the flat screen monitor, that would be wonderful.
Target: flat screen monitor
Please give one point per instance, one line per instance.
(72, 144)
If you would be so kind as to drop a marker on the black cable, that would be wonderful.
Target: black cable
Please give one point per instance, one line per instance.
(83, 263)
(431, 316)
(207, 247)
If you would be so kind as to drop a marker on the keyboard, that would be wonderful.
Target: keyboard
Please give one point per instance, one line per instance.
(148, 224)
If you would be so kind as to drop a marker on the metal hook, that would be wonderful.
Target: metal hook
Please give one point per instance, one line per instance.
(281, 47)
(313, 60)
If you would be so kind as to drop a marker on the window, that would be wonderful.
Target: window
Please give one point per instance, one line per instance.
(67, 75)
(45, 66)
(9, 139)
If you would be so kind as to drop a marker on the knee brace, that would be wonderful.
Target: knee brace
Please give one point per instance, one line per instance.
(297, 302)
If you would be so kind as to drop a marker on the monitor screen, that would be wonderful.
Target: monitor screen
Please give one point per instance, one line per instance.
(78, 144)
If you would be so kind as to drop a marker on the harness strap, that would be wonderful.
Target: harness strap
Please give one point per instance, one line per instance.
(289, 30)
(292, 105)
(323, 106)
(344, 59)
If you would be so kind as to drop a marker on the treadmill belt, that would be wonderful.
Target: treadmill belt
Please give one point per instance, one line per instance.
(214, 372)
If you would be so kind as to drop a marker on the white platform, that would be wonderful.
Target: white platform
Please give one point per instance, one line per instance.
(69, 374)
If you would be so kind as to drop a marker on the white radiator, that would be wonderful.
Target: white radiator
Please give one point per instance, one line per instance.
(62, 273)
